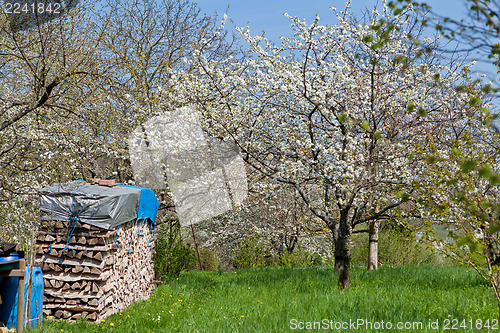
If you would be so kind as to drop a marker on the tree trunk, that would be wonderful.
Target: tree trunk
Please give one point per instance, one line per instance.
(342, 237)
(495, 283)
(373, 246)
(497, 295)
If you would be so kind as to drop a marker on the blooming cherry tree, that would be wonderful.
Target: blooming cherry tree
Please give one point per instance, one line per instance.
(334, 112)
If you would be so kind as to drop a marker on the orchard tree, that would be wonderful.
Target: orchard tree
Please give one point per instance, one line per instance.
(473, 35)
(75, 86)
(465, 200)
(47, 73)
(335, 113)
(465, 197)
(146, 39)
(275, 217)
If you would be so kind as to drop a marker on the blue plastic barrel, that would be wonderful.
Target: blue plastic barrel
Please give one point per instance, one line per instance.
(9, 294)
(12, 257)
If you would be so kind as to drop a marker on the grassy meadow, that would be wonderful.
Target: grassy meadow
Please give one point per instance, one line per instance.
(280, 299)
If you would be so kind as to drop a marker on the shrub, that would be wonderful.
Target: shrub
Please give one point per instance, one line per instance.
(249, 254)
(299, 258)
(208, 260)
(396, 246)
(317, 260)
(402, 248)
(252, 253)
(171, 255)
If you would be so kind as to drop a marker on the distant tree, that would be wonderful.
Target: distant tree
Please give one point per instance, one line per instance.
(74, 87)
(335, 113)
(47, 76)
(275, 215)
(146, 39)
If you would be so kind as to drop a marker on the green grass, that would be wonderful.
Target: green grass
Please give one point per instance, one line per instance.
(267, 299)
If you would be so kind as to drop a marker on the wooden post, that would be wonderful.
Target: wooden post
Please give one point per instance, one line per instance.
(196, 246)
(27, 306)
(20, 298)
(30, 267)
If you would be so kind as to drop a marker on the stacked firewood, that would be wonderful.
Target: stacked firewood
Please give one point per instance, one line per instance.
(90, 272)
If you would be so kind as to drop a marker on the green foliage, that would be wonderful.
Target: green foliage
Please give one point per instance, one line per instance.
(299, 258)
(463, 199)
(171, 258)
(249, 253)
(365, 125)
(252, 253)
(468, 166)
(266, 299)
(399, 247)
(171, 255)
(208, 260)
(396, 246)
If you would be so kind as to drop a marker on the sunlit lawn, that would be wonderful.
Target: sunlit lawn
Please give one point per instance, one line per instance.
(279, 299)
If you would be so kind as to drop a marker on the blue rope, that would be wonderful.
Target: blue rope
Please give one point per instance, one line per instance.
(87, 256)
(140, 232)
(152, 236)
(73, 221)
(116, 238)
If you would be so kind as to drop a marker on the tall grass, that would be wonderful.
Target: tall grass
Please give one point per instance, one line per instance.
(268, 299)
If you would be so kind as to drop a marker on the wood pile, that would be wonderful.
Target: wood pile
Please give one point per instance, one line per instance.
(97, 272)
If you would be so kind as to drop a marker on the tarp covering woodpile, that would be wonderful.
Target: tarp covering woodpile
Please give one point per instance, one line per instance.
(95, 248)
(101, 206)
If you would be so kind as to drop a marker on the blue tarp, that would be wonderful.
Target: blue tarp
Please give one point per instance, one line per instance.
(148, 203)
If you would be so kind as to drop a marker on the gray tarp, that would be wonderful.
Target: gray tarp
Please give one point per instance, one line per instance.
(104, 207)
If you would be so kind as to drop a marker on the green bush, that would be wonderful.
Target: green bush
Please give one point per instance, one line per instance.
(171, 255)
(396, 246)
(298, 258)
(317, 260)
(249, 254)
(252, 253)
(208, 260)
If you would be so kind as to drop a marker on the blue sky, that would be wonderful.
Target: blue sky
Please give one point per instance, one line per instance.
(268, 14)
